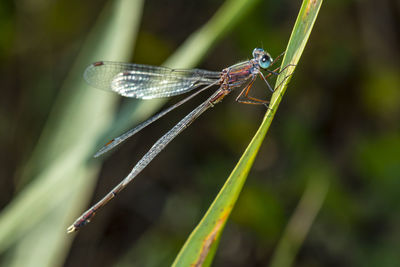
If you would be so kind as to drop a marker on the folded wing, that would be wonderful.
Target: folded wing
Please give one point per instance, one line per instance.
(144, 81)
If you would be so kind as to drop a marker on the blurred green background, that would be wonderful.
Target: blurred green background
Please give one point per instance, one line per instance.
(334, 146)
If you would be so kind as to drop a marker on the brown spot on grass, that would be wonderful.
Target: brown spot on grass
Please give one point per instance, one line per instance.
(209, 240)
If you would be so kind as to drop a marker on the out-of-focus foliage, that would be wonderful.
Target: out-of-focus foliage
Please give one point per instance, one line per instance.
(339, 121)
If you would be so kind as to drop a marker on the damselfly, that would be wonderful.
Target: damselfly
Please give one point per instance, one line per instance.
(146, 82)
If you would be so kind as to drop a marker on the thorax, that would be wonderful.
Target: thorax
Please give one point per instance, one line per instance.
(236, 75)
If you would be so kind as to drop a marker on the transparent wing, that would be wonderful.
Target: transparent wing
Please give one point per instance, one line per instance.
(118, 140)
(144, 81)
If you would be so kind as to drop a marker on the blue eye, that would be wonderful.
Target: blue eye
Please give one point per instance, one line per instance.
(265, 61)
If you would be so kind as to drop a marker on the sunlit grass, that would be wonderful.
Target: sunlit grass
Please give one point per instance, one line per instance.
(201, 245)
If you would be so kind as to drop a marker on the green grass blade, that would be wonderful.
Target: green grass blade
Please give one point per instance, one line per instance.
(62, 176)
(196, 47)
(200, 247)
(302, 219)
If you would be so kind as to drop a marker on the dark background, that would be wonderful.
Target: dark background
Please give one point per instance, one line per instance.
(338, 121)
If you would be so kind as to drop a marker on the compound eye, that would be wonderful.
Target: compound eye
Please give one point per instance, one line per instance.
(265, 61)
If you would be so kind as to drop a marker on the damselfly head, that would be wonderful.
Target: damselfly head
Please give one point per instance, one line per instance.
(262, 57)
